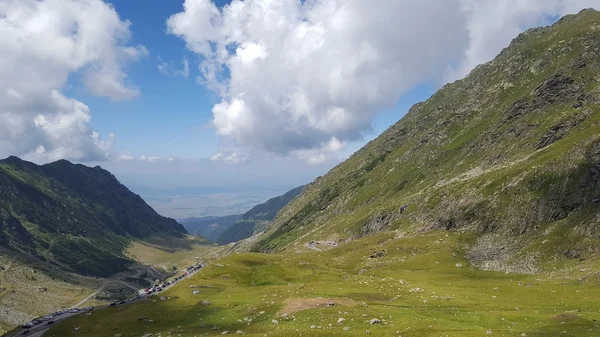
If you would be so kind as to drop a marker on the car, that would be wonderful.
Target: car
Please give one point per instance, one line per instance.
(49, 322)
(27, 325)
(122, 302)
(113, 304)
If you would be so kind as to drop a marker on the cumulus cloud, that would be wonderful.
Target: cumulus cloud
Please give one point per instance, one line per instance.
(42, 43)
(295, 76)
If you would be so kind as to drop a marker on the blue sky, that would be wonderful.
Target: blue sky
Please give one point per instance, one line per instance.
(173, 115)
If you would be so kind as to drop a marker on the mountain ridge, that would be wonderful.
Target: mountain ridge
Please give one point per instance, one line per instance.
(75, 217)
(256, 219)
(452, 162)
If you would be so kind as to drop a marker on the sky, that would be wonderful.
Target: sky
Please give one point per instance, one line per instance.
(236, 94)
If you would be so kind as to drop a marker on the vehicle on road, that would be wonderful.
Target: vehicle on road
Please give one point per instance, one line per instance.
(49, 322)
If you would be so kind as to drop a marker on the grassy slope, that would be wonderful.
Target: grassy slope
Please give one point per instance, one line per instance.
(469, 158)
(74, 217)
(453, 301)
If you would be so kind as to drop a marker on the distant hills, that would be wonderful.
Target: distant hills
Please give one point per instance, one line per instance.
(256, 219)
(227, 229)
(74, 217)
(210, 227)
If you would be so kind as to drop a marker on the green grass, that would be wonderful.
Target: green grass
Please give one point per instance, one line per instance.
(452, 301)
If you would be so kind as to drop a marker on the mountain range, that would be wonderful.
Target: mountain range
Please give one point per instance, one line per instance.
(73, 217)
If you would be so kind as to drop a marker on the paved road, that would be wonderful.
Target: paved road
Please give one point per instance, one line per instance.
(40, 329)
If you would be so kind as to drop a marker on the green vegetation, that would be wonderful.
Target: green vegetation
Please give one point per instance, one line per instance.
(415, 288)
(73, 217)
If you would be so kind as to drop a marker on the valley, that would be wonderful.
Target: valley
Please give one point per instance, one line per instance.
(475, 214)
(417, 286)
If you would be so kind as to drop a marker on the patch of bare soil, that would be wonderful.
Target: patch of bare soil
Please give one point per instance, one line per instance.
(298, 304)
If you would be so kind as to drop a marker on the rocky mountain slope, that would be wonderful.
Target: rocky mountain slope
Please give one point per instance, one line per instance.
(73, 217)
(511, 153)
(257, 218)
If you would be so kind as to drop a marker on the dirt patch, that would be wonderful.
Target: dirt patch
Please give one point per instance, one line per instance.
(566, 316)
(298, 304)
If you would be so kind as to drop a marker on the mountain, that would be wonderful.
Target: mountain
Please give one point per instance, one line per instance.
(257, 218)
(510, 154)
(498, 171)
(74, 217)
(210, 227)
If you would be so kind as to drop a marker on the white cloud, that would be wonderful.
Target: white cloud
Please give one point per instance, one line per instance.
(42, 43)
(166, 68)
(492, 24)
(125, 157)
(230, 157)
(295, 75)
(149, 159)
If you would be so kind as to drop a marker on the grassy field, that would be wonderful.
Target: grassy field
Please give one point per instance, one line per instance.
(416, 286)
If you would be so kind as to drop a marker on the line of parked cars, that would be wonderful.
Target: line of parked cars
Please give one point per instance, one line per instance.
(164, 285)
(48, 319)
